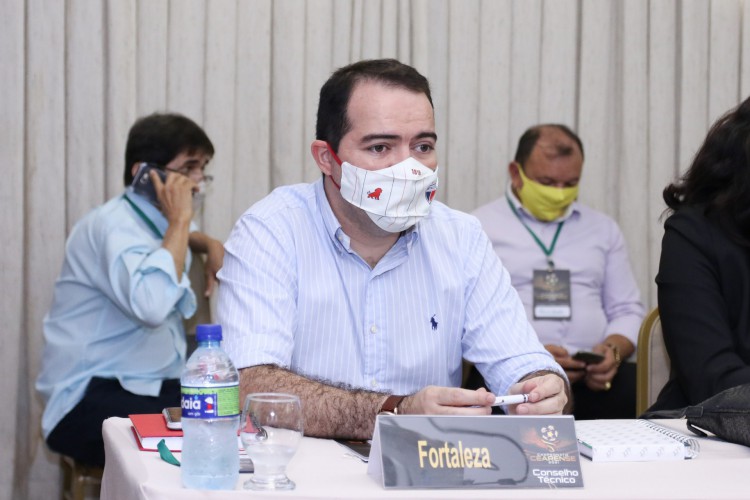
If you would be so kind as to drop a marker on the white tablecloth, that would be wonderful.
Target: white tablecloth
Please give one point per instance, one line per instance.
(323, 470)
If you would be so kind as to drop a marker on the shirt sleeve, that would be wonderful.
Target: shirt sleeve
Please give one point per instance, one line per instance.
(257, 297)
(498, 338)
(141, 278)
(620, 295)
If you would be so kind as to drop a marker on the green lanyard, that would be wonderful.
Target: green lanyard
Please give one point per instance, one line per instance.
(145, 218)
(547, 251)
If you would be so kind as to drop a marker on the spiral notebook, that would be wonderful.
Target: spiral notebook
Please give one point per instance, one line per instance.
(632, 441)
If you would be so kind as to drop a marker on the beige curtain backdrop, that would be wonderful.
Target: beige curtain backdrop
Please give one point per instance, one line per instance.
(640, 80)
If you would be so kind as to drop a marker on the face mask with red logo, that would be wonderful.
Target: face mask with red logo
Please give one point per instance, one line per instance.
(395, 198)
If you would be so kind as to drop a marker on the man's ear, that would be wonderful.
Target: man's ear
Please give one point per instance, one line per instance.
(515, 177)
(322, 156)
(134, 168)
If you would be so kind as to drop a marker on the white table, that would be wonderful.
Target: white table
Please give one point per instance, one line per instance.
(322, 470)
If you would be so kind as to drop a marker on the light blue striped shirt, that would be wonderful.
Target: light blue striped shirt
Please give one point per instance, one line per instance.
(293, 293)
(117, 310)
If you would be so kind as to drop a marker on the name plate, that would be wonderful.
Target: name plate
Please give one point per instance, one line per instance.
(422, 451)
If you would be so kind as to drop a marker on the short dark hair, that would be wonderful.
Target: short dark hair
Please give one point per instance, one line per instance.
(332, 121)
(160, 137)
(529, 139)
(719, 177)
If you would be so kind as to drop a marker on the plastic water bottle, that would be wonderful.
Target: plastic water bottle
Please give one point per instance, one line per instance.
(210, 415)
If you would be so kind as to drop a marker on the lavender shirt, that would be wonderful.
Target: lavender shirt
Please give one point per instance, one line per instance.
(604, 296)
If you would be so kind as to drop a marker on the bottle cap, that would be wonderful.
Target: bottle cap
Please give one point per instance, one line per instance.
(205, 333)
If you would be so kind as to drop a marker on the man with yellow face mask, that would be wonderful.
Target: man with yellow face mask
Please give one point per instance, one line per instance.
(570, 266)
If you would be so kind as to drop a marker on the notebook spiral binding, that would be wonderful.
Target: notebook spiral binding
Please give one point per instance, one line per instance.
(692, 446)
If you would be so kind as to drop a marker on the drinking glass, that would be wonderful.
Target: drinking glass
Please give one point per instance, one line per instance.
(270, 430)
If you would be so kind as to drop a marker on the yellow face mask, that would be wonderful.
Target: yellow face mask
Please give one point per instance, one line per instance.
(546, 203)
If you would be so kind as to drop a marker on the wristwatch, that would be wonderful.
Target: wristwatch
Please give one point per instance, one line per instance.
(390, 406)
(615, 352)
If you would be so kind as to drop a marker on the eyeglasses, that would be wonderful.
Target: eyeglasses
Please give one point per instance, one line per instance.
(193, 172)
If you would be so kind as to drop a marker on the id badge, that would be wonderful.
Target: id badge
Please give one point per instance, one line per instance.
(551, 294)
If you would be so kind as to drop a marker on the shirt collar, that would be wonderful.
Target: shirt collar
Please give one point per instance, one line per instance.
(573, 208)
(331, 224)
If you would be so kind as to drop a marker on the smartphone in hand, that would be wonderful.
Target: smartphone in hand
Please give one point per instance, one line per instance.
(142, 181)
(588, 357)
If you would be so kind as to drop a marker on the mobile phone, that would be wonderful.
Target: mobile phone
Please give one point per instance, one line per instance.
(173, 416)
(588, 357)
(142, 181)
(360, 449)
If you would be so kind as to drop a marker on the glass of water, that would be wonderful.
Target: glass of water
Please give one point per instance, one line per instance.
(271, 430)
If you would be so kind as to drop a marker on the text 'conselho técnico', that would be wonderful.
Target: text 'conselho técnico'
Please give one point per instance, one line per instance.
(449, 456)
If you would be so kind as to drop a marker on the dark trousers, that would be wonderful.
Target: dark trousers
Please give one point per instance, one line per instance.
(618, 402)
(79, 433)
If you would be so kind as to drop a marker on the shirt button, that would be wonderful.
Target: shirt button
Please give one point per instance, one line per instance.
(374, 383)
(373, 329)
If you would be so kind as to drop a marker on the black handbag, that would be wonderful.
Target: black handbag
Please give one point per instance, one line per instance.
(726, 415)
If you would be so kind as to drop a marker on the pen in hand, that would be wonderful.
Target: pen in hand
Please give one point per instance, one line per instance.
(511, 399)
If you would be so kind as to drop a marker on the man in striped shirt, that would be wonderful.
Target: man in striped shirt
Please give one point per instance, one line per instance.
(359, 292)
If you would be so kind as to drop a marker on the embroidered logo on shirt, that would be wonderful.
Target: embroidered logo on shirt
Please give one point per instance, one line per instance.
(375, 195)
(433, 322)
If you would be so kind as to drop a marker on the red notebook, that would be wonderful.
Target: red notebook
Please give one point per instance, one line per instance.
(151, 428)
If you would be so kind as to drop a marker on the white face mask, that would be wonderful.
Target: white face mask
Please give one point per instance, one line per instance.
(395, 198)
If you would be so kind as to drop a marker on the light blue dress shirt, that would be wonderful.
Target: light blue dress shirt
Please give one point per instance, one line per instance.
(293, 293)
(604, 295)
(117, 309)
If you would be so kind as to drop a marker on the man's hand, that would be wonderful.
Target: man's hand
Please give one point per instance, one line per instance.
(599, 376)
(176, 203)
(574, 369)
(434, 400)
(546, 395)
(175, 196)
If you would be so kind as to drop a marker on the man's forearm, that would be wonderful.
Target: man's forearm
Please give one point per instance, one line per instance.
(329, 411)
(176, 242)
(199, 242)
(213, 249)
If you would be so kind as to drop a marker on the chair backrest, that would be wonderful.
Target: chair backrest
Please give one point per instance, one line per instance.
(653, 366)
(203, 313)
(197, 276)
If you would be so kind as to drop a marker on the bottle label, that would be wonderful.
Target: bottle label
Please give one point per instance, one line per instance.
(210, 402)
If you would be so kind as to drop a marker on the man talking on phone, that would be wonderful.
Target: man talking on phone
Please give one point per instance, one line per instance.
(114, 336)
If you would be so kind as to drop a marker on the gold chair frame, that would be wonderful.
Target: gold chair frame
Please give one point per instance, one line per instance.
(652, 370)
